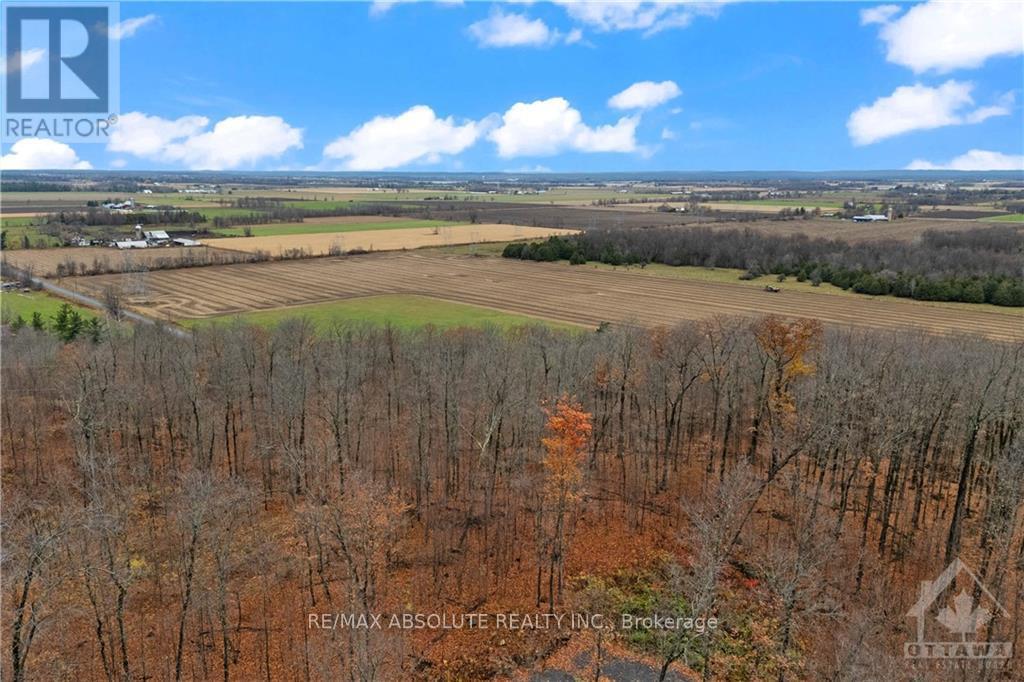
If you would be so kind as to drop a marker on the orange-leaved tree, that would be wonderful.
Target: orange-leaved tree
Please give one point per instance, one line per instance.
(785, 347)
(568, 428)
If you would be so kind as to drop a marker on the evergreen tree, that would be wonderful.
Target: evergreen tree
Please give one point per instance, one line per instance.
(973, 292)
(68, 323)
(94, 329)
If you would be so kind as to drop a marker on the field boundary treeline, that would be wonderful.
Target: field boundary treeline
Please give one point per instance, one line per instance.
(266, 211)
(982, 265)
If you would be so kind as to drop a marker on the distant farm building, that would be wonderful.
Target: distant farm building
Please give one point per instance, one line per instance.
(156, 236)
(184, 241)
(132, 244)
(870, 218)
(127, 205)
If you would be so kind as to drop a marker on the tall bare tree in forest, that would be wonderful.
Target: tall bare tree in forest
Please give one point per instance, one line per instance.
(361, 529)
(34, 536)
(716, 519)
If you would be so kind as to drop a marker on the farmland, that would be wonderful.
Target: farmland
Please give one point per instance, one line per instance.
(45, 262)
(309, 239)
(557, 196)
(612, 217)
(46, 202)
(404, 311)
(741, 278)
(776, 205)
(579, 295)
(317, 244)
(322, 225)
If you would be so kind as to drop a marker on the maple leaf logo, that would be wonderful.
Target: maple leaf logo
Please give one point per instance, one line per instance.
(964, 618)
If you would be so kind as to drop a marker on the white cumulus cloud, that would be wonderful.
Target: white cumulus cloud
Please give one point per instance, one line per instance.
(944, 36)
(231, 143)
(974, 160)
(37, 153)
(546, 127)
(129, 27)
(631, 15)
(416, 135)
(512, 30)
(148, 136)
(878, 15)
(919, 107)
(644, 95)
(382, 7)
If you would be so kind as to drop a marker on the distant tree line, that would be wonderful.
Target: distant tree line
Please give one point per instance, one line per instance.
(266, 211)
(280, 215)
(34, 186)
(96, 216)
(972, 266)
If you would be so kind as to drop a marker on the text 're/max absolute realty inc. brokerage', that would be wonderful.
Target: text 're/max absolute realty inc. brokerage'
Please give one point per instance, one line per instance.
(434, 340)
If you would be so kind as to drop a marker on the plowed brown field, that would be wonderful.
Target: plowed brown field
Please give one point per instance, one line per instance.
(44, 262)
(551, 290)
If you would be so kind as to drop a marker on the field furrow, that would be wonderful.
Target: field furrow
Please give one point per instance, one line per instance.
(581, 294)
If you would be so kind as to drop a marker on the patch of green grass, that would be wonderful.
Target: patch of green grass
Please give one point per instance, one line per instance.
(279, 229)
(17, 221)
(1008, 218)
(398, 310)
(16, 234)
(223, 212)
(14, 303)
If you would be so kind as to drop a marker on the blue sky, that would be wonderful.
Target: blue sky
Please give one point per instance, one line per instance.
(482, 86)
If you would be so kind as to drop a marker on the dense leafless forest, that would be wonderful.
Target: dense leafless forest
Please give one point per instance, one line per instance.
(176, 508)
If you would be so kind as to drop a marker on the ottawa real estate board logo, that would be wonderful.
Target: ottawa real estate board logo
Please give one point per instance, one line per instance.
(60, 71)
(955, 615)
